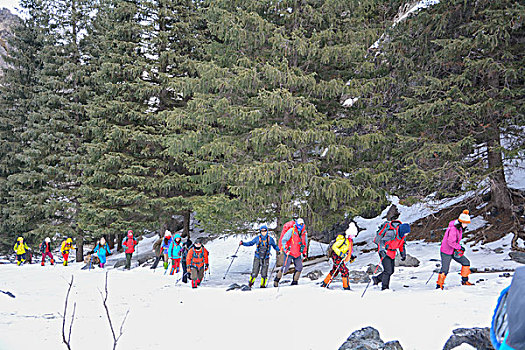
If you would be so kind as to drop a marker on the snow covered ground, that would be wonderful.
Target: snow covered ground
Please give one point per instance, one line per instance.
(162, 313)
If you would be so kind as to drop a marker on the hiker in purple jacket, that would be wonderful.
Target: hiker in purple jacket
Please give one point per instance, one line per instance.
(451, 249)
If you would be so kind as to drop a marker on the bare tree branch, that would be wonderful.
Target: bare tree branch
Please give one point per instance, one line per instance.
(104, 302)
(68, 340)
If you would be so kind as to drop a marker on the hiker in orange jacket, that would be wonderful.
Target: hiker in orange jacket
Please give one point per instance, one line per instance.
(197, 261)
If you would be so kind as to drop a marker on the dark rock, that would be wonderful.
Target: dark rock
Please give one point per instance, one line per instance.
(518, 257)
(314, 275)
(498, 250)
(409, 262)
(371, 268)
(368, 339)
(506, 274)
(392, 213)
(479, 338)
(233, 286)
(358, 277)
(392, 345)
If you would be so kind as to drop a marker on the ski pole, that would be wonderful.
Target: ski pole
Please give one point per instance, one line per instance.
(433, 272)
(368, 284)
(8, 293)
(233, 258)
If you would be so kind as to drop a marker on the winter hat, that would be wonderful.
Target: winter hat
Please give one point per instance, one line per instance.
(188, 243)
(263, 227)
(176, 236)
(69, 240)
(20, 239)
(351, 231)
(130, 233)
(47, 240)
(403, 230)
(464, 217)
(167, 234)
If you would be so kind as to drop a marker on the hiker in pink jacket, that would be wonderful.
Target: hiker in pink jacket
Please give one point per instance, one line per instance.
(452, 249)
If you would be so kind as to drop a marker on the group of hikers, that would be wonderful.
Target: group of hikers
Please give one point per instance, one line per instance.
(292, 247)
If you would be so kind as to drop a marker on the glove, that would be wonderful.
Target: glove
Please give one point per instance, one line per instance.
(206, 267)
(352, 258)
(240, 243)
(462, 249)
(403, 257)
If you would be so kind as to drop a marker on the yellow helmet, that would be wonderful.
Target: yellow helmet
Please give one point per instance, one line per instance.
(69, 240)
(20, 239)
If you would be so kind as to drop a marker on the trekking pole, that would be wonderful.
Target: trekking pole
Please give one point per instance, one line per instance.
(368, 284)
(271, 273)
(233, 258)
(433, 272)
(8, 293)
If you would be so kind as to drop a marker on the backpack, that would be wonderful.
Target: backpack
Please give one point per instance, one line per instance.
(261, 243)
(329, 250)
(286, 227)
(388, 231)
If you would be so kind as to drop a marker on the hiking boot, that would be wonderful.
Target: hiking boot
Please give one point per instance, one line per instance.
(323, 284)
(251, 282)
(43, 264)
(263, 282)
(466, 283)
(294, 283)
(276, 282)
(441, 281)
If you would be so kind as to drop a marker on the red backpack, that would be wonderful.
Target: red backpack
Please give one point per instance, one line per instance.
(286, 227)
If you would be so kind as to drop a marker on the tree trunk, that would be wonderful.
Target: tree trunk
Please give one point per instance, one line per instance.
(80, 249)
(500, 195)
(186, 229)
(119, 242)
(111, 241)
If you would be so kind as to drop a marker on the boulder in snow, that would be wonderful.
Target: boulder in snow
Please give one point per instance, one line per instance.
(479, 338)
(409, 262)
(371, 268)
(314, 275)
(358, 277)
(368, 339)
(518, 257)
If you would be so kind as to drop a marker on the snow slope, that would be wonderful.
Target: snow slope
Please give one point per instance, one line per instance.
(163, 313)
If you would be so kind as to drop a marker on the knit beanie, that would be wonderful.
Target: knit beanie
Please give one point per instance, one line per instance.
(464, 218)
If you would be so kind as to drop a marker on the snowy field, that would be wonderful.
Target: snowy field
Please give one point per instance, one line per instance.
(165, 314)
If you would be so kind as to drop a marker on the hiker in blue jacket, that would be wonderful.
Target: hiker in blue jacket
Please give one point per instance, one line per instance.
(262, 255)
(102, 249)
(175, 253)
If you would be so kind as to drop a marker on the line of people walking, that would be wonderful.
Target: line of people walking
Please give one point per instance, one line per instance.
(291, 248)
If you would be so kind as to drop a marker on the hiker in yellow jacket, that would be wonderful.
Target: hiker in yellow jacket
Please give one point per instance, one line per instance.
(20, 248)
(341, 254)
(64, 249)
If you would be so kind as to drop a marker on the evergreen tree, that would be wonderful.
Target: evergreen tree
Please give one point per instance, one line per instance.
(20, 181)
(264, 124)
(459, 67)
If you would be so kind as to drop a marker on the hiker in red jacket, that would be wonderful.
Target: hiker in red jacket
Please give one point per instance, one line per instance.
(197, 261)
(45, 249)
(129, 242)
(390, 238)
(452, 249)
(294, 248)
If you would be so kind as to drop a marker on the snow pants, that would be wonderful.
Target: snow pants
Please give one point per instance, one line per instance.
(297, 263)
(338, 267)
(65, 255)
(175, 264)
(388, 269)
(262, 265)
(20, 258)
(184, 270)
(44, 255)
(197, 274)
(128, 261)
(446, 259)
